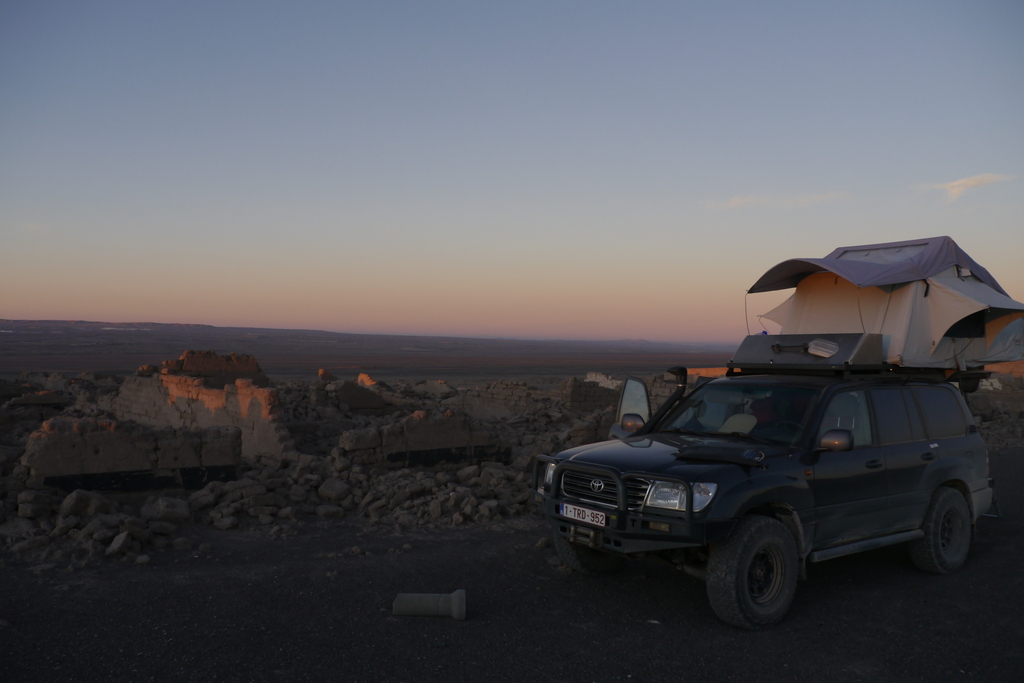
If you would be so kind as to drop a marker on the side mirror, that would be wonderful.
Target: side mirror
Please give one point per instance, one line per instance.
(631, 422)
(837, 440)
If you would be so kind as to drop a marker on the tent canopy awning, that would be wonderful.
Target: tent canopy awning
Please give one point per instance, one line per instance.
(874, 265)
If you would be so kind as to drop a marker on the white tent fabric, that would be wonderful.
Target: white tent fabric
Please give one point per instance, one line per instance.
(914, 316)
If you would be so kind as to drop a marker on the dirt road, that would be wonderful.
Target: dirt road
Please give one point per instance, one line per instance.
(309, 609)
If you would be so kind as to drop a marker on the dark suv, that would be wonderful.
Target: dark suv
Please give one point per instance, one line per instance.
(746, 478)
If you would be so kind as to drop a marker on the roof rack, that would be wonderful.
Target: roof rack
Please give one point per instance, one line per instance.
(847, 355)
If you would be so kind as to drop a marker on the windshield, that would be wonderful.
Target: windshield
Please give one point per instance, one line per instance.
(769, 413)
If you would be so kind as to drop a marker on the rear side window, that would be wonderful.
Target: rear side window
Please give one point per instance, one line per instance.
(891, 416)
(943, 416)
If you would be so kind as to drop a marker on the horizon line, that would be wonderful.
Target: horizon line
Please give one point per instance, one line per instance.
(378, 334)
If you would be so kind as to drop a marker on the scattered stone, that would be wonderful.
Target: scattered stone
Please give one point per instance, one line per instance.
(166, 509)
(104, 535)
(182, 543)
(17, 527)
(225, 523)
(334, 490)
(75, 503)
(30, 544)
(142, 559)
(467, 473)
(120, 544)
(33, 510)
(329, 511)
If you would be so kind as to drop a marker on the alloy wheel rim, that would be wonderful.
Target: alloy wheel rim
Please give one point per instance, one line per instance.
(764, 577)
(948, 530)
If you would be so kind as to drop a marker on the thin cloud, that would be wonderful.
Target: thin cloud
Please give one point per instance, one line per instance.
(742, 201)
(956, 188)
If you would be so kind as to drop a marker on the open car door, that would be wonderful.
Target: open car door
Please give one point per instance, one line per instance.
(634, 402)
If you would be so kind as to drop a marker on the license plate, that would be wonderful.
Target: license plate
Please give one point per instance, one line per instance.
(584, 515)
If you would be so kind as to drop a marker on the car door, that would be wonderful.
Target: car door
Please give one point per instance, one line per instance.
(952, 438)
(849, 487)
(633, 399)
(908, 455)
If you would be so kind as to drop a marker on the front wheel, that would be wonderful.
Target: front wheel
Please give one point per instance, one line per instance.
(947, 534)
(751, 576)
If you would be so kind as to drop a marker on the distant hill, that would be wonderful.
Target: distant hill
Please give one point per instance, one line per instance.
(74, 346)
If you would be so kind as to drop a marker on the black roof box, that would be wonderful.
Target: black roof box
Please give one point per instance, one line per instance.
(809, 352)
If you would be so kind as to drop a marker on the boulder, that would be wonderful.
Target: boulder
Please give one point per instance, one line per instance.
(166, 509)
(334, 490)
(359, 439)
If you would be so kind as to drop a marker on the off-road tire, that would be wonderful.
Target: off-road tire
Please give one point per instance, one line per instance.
(585, 560)
(947, 533)
(751, 576)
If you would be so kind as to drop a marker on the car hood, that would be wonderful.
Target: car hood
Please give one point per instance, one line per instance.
(672, 454)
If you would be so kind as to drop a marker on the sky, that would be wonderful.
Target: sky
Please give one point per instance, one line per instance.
(548, 170)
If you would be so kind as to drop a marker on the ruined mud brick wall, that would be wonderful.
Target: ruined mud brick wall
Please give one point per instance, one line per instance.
(185, 402)
(421, 440)
(65, 449)
(216, 370)
(661, 387)
(1016, 368)
(498, 400)
(586, 396)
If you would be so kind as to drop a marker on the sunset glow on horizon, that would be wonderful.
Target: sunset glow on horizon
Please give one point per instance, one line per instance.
(530, 170)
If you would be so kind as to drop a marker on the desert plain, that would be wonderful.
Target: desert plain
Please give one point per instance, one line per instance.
(287, 569)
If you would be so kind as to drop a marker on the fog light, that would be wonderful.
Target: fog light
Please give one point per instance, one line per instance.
(658, 526)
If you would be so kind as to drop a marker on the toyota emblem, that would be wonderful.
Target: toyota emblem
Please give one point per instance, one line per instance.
(597, 486)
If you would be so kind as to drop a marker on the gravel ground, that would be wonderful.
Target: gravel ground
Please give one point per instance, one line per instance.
(310, 608)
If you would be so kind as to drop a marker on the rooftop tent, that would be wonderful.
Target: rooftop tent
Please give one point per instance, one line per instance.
(934, 306)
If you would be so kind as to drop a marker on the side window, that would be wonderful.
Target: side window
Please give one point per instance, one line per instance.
(891, 417)
(943, 416)
(914, 413)
(848, 410)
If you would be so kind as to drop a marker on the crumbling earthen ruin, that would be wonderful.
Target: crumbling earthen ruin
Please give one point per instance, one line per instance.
(97, 466)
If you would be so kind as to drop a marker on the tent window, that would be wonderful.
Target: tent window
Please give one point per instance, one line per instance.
(973, 327)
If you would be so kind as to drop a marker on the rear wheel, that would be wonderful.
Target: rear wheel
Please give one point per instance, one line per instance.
(585, 560)
(751, 576)
(947, 534)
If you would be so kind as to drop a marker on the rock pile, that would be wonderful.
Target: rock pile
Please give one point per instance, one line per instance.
(350, 455)
(411, 455)
(998, 408)
(86, 525)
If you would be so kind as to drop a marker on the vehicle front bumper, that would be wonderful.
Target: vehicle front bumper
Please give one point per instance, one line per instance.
(626, 531)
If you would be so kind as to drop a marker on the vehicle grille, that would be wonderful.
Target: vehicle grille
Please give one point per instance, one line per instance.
(578, 485)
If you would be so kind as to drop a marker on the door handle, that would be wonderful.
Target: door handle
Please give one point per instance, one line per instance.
(927, 456)
(873, 464)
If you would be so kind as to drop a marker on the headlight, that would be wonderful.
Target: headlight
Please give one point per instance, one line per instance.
(672, 496)
(549, 475)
